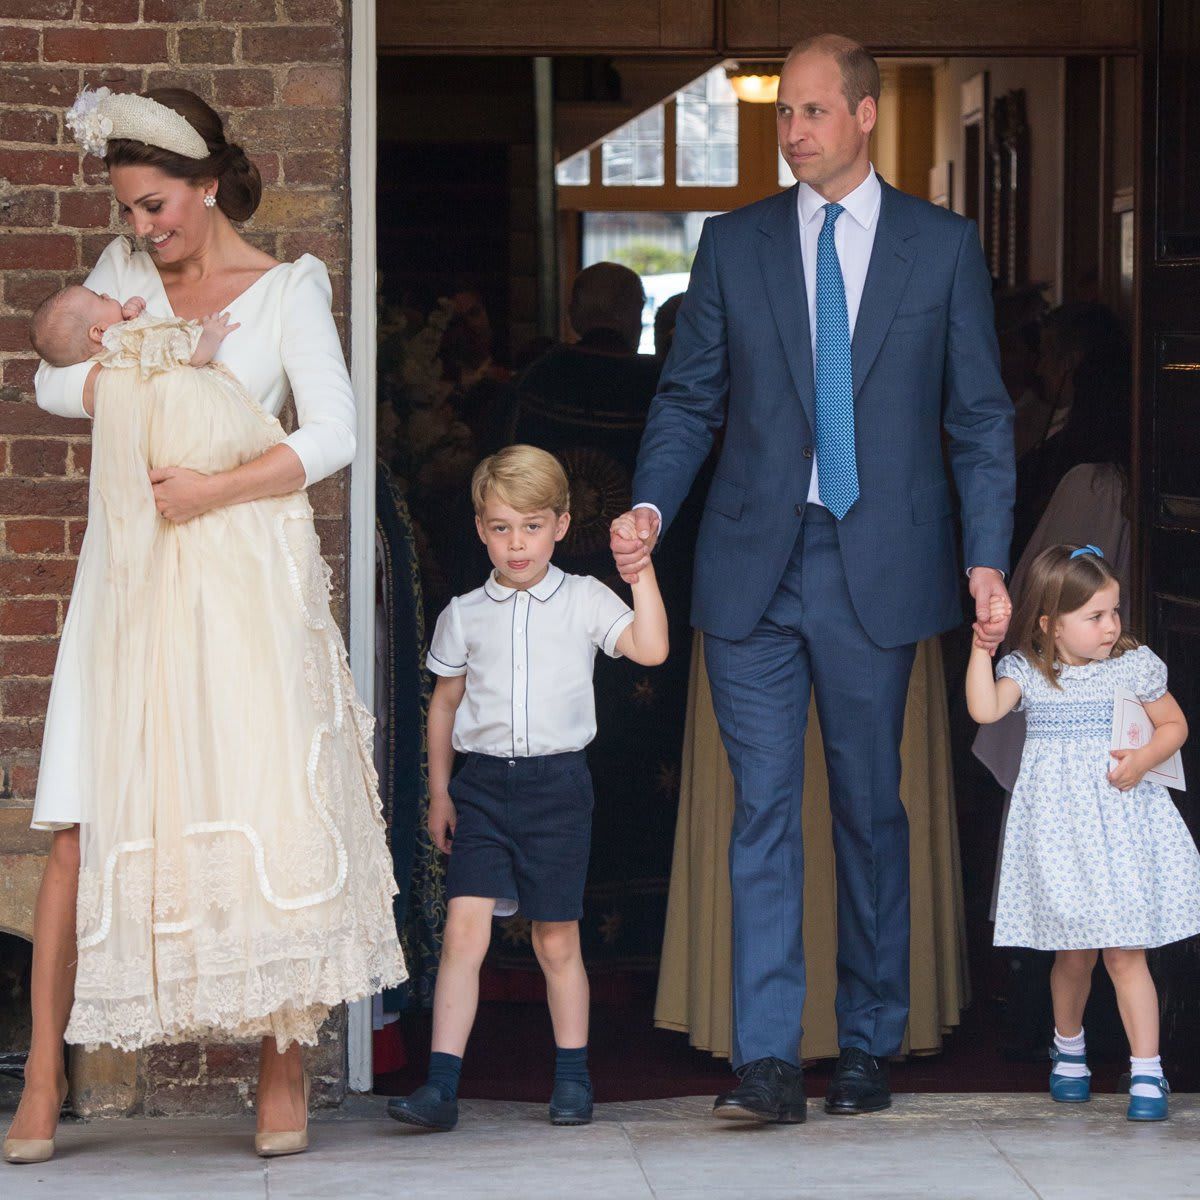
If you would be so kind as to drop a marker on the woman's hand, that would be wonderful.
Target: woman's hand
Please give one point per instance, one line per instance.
(181, 494)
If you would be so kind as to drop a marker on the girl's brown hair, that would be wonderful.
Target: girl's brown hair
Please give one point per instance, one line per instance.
(1058, 584)
(239, 185)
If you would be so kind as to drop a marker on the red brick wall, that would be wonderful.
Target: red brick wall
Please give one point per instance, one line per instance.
(278, 71)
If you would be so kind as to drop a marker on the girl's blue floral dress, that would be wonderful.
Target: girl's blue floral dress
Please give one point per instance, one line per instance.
(1086, 866)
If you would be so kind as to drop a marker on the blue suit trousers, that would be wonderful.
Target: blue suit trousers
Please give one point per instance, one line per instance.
(810, 639)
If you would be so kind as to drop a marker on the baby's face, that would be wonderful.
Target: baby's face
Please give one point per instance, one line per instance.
(96, 308)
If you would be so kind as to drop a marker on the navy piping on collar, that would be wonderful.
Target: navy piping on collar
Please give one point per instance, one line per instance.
(562, 578)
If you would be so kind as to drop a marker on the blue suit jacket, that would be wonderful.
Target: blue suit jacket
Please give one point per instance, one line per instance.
(925, 358)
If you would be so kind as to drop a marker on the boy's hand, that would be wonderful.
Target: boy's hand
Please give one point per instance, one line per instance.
(1131, 767)
(441, 822)
(216, 328)
(133, 308)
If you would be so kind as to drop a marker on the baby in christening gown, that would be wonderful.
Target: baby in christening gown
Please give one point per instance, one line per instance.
(235, 880)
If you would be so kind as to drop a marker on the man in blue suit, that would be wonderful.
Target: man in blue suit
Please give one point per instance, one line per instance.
(832, 332)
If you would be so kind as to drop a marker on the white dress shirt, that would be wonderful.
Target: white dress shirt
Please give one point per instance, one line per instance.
(287, 342)
(853, 238)
(528, 656)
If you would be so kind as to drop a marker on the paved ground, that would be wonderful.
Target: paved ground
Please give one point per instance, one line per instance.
(965, 1147)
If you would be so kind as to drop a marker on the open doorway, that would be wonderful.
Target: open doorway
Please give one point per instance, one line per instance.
(996, 138)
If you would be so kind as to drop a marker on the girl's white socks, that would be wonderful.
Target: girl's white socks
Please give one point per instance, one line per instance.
(1072, 1045)
(1145, 1066)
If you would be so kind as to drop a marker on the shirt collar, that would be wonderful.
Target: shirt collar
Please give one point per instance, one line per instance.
(862, 203)
(549, 584)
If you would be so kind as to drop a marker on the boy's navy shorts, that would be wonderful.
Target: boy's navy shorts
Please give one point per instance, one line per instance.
(523, 835)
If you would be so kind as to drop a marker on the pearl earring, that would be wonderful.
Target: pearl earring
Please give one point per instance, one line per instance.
(210, 202)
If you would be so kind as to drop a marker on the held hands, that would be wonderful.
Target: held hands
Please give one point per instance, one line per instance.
(999, 613)
(991, 622)
(442, 821)
(1131, 767)
(215, 329)
(632, 537)
(133, 308)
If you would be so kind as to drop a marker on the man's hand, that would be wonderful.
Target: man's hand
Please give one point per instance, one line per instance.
(632, 537)
(442, 820)
(133, 308)
(181, 494)
(216, 328)
(991, 620)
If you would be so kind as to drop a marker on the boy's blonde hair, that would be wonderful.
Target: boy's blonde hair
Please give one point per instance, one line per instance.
(524, 477)
(1059, 581)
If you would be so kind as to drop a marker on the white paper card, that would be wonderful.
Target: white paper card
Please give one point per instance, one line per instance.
(1132, 729)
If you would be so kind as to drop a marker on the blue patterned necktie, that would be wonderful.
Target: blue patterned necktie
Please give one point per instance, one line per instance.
(837, 469)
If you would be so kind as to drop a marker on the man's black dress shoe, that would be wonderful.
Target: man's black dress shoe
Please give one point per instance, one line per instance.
(425, 1108)
(571, 1103)
(860, 1084)
(770, 1091)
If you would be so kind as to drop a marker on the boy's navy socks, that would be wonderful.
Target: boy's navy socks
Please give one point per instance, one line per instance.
(570, 1066)
(444, 1070)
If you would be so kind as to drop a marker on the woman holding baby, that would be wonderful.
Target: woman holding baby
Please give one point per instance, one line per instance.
(218, 866)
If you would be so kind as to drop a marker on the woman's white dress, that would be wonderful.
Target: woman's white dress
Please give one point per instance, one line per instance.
(287, 342)
(235, 879)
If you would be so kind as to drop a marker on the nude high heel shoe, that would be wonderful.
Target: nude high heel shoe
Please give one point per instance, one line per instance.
(289, 1141)
(31, 1150)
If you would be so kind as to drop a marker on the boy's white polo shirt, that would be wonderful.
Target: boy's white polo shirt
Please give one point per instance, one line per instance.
(528, 656)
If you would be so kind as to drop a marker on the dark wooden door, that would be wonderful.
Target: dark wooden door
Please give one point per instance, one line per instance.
(1167, 448)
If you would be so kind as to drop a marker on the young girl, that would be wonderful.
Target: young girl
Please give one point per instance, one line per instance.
(1096, 858)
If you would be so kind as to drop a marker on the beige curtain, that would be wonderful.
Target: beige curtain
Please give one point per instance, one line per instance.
(694, 975)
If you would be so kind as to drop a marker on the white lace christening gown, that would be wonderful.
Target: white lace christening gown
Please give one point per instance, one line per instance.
(235, 877)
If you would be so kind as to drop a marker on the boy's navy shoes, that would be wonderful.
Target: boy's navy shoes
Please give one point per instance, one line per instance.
(425, 1108)
(571, 1103)
(771, 1091)
(859, 1085)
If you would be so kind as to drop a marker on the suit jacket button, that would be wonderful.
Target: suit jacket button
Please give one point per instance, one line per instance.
(807, 452)
(799, 510)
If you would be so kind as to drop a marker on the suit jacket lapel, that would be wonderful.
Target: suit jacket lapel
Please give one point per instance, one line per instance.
(892, 258)
(783, 273)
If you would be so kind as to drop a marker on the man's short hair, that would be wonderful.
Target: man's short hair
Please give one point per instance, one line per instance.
(860, 71)
(523, 477)
(606, 295)
(57, 334)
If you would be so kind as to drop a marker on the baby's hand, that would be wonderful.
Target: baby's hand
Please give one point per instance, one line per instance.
(1130, 769)
(999, 609)
(624, 527)
(133, 308)
(215, 328)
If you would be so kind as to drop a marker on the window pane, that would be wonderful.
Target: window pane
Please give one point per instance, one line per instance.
(648, 164)
(617, 162)
(692, 123)
(722, 123)
(650, 124)
(575, 171)
(690, 162)
(722, 165)
(706, 132)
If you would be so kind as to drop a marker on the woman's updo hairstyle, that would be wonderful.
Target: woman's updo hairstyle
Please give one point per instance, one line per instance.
(239, 185)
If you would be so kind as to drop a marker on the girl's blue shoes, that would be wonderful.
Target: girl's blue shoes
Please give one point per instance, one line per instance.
(1149, 1108)
(1071, 1089)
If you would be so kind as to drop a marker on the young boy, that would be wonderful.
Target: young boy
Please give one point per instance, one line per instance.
(514, 694)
